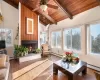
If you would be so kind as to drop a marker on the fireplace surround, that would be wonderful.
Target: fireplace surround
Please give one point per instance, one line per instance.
(32, 45)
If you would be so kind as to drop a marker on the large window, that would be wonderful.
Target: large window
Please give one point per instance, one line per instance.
(43, 37)
(56, 39)
(94, 38)
(72, 39)
(6, 34)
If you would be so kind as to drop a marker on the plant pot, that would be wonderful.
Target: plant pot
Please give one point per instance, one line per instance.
(26, 53)
(69, 59)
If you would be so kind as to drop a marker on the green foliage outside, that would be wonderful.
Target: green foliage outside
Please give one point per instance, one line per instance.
(95, 44)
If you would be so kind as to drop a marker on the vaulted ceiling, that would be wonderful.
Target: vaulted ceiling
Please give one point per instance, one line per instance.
(66, 8)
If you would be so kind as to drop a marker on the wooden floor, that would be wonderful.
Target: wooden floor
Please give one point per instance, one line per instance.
(15, 65)
(47, 74)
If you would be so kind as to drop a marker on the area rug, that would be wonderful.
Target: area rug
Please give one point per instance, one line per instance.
(32, 71)
(45, 75)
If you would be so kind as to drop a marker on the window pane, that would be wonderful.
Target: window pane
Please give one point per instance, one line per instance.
(6, 34)
(43, 37)
(76, 42)
(58, 37)
(67, 39)
(53, 39)
(95, 38)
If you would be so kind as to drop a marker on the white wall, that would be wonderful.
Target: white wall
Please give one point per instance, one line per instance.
(80, 20)
(10, 15)
(42, 27)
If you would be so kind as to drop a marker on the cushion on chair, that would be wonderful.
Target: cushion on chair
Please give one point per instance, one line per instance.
(45, 47)
(4, 72)
(97, 75)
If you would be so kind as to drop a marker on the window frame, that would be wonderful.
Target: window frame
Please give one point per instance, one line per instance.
(71, 49)
(89, 48)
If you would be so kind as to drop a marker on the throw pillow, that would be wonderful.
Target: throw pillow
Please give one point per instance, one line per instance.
(1, 77)
(2, 61)
(97, 75)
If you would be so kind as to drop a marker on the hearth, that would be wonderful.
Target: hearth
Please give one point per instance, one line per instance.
(32, 45)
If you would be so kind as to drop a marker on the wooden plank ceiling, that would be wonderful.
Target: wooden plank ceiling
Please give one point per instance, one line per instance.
(66, 8)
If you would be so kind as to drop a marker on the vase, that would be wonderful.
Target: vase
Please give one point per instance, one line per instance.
(68, 65)
(64, 58)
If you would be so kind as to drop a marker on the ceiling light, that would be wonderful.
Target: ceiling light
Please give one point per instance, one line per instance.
(43, 7)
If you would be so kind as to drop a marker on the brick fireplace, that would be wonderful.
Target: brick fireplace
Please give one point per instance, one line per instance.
(30, 44)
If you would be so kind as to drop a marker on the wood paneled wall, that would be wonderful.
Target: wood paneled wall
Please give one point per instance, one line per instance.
(27, 13)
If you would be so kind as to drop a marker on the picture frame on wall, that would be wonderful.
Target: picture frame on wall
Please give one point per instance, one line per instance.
(30, 27)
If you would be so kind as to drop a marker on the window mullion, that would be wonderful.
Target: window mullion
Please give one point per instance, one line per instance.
(71, 39)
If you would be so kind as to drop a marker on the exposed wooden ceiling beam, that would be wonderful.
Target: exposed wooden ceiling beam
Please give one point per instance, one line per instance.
(12, 3)
(98, 2)
(47, 16)
(64, 9)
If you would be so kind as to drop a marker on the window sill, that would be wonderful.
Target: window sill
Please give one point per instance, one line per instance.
(94, 54)
(71, 50)
(55, 48)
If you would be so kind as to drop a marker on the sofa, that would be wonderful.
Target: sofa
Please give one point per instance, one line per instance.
(4, 72)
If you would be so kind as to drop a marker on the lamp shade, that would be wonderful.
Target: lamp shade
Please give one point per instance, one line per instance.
(43, 7)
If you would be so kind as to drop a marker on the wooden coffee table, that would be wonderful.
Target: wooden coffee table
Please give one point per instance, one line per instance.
(72, 70)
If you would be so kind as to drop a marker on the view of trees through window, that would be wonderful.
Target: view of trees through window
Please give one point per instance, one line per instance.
(72, 39)
(67, 37)
(43, 37)
(56, 39)
(95, 38)
(53, 39)
(76, 41)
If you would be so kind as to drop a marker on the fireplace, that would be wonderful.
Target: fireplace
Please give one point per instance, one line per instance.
(32, 45)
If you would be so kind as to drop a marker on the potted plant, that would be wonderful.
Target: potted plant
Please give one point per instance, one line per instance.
(20, 51)
(16, 51)
(38, 50)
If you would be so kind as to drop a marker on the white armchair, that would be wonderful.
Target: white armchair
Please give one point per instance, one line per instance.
(45, 50)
